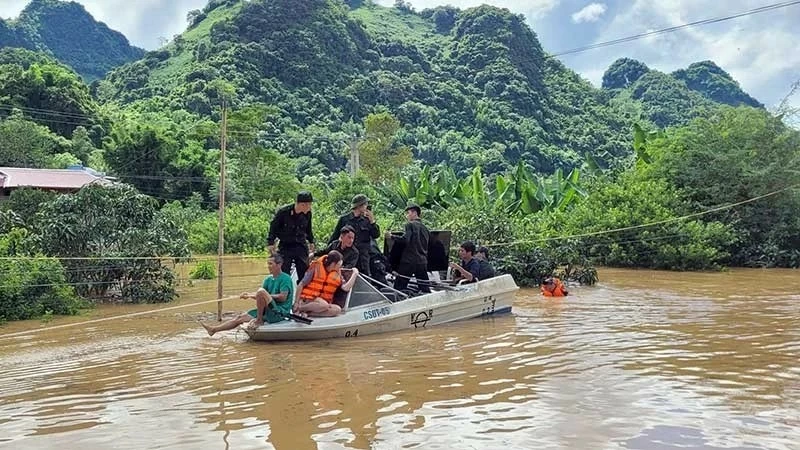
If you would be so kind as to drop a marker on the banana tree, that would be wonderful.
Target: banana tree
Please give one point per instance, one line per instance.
(522, 192)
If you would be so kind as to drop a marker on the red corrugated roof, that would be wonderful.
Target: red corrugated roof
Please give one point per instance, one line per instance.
(14, 177)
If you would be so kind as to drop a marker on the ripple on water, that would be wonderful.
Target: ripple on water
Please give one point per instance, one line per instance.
(645, 360)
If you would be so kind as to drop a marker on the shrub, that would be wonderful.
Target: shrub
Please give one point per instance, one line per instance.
(204, 270)
(29, 288)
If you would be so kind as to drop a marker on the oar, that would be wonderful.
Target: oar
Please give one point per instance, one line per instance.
(290, 316)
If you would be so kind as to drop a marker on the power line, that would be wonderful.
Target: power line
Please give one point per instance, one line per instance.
(675, 28)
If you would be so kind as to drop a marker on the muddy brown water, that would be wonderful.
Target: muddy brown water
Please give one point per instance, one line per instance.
(644, 360)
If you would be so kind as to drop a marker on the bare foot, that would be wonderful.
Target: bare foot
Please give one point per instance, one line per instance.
(208, 329)
(255, 324)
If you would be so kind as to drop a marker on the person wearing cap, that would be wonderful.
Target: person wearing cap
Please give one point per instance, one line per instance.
(469, 269)
(291, 226)
(414, 259)
(486, 269)
(553, 287)
(360, 218)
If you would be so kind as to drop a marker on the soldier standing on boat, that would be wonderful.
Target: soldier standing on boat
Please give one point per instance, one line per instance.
(291, 226)
(360, 218)
(414, 259)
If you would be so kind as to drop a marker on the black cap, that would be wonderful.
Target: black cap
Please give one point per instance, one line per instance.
(304, 197)
(415, 207)
(359, 200)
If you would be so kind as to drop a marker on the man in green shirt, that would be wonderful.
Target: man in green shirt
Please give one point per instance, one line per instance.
(273, 300)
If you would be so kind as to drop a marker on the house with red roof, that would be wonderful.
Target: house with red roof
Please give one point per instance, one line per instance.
(55, 180)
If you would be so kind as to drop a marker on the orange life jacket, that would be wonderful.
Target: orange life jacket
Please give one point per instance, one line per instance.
(558, 290)
(323, 284)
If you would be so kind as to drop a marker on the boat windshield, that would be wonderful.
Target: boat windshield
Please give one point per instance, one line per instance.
(364, 293)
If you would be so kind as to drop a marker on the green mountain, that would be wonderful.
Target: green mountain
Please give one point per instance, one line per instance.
(674, 99)
(69, 33)
(470, 88)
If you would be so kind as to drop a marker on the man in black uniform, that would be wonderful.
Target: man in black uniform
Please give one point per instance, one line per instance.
(343, 245)
(363, 222)
(292, 227)
(414, 259)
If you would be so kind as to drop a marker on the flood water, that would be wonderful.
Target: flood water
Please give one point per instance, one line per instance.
(643, 360)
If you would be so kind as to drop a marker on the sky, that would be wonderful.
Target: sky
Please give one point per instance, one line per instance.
(758, 50)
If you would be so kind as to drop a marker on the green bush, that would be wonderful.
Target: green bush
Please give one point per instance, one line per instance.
(626, 205)
(30, 288)
(204, 270)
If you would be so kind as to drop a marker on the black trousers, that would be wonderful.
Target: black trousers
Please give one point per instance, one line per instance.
(297, 254)
(363, 259)
(419, 271)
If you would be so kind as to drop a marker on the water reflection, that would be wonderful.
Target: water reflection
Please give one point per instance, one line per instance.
(646, 360)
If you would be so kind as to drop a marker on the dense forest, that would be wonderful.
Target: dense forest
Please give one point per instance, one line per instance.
(461, 111)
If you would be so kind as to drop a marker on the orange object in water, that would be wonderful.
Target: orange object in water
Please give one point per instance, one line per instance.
(553, 287)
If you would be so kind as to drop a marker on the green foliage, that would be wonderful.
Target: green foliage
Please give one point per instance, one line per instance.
(112, 227)
(736, 155)
(512, 250)
(25, 203)
(26, 144)
(246, 229)
(41, 88)
(31, 287)
(667, 101)
(204, 270)
(630, 205)
(714, 83)
(516, 192)
(623, 73)
(381, 158)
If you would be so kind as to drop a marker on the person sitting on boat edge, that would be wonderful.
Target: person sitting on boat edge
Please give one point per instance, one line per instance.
(553, 287)
(316, 290)
(486, 269)
(345, 246)
(273, 300)
(470, 268)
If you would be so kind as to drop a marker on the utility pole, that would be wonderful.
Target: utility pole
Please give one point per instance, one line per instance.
(355, 160)
(223, 142)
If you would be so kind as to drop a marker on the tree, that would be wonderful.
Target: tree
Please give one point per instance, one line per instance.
(735, 155)
(81, 145)
(26, 144)
(117, 223)
(381, 157)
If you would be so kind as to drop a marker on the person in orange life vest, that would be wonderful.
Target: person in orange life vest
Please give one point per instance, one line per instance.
(315, 292)
(553, 287)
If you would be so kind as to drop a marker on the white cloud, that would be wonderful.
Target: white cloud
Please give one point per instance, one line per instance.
(759, 51)
(590, 13)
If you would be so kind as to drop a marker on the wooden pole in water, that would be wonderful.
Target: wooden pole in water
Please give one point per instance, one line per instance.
(221, 247)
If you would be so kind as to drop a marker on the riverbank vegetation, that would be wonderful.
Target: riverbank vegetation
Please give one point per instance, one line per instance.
(459, 111)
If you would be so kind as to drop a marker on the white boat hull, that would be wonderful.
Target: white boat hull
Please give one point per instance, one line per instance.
(488, 297)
